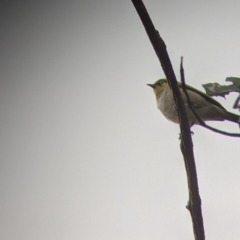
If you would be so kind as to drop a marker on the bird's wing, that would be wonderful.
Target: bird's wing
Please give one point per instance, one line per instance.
(205, 96)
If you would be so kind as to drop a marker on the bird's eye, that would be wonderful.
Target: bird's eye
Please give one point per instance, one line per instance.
(161, 83)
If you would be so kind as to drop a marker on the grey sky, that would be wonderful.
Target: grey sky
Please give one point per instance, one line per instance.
(85, 153)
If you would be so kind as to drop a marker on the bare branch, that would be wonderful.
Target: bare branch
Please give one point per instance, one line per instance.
(186, 140)
(200, 122)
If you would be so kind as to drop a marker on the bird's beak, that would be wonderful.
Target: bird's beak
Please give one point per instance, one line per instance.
(151, 85)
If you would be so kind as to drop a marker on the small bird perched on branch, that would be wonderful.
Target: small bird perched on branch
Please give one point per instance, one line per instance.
(205, 107)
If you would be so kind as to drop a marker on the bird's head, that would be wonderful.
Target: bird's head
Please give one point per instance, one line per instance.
(158, 86)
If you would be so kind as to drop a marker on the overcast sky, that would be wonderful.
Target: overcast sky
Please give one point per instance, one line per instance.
(85, 153)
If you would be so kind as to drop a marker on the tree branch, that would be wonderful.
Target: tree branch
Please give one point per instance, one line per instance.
(200, 122)
(159, 46)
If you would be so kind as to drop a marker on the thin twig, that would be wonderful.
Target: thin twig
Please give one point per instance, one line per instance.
(200, 122)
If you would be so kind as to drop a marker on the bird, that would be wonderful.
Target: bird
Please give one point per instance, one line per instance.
(207, 108)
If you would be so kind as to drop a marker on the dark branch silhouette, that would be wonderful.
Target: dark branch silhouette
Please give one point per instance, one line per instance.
(194, 204)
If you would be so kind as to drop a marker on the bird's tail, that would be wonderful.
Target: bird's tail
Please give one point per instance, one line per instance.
(232, 117)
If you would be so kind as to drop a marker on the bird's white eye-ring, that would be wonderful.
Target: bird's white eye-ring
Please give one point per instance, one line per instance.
(161, 83)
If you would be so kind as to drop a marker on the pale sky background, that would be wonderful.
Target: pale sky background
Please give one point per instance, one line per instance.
(85, 153)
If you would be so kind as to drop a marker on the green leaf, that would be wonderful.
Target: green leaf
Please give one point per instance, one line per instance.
(215, 89)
